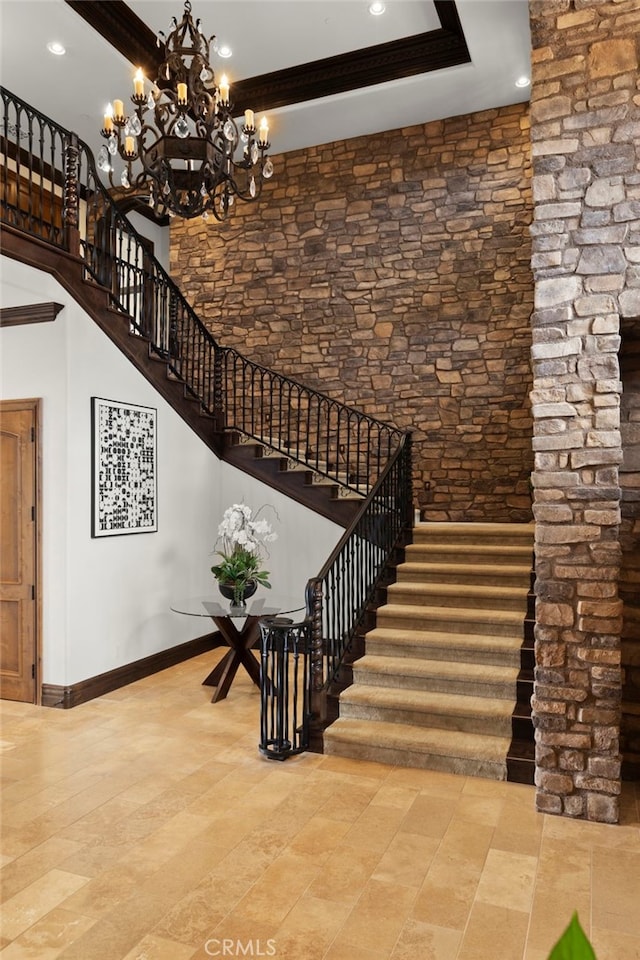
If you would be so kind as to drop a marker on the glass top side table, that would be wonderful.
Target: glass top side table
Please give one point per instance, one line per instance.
(239, 637)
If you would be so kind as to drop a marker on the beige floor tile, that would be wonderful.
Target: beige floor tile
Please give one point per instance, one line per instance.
(379, 915)
(22, 871)
(426, 941)
(616, 891)
(311, 922)
(375, 827)
(438, 905)
(494, 932)
(34, 901)
(47, 938)
(157, 948)
(428, 815)
(551, 913)
(612, 945)
(345, 950)
(345, 875)
(406, 860)
(507, 880)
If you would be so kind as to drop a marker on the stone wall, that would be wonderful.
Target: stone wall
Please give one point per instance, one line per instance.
(393, 273)
(585, 129)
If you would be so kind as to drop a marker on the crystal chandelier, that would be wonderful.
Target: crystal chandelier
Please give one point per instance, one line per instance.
(195, 157)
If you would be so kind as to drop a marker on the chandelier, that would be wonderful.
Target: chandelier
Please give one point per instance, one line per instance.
(196, 158)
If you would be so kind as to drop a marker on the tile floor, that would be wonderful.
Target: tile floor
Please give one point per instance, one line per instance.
(145, 826)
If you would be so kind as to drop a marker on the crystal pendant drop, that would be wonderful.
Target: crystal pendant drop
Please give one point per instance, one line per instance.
(230, 200)
(267, 170)
(206, 76)
(182, 128)
(244, 136)
(112, 145)
(150, 101)
(127, 127)
(152, 202)
(252, 186)
(124, 179)
(255, 153)
(229, 130)
(203, 190)
(103, 160)
(205, 215)
(135, 125)
(166, 190)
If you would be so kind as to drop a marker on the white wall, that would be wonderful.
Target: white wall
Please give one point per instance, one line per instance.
(106, 600)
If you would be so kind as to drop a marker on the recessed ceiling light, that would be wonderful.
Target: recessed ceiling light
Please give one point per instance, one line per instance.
(54, 47)
(523, 81)
(376, 9)
(225, 51)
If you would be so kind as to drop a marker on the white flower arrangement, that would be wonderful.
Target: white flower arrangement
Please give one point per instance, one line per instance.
(243, 538)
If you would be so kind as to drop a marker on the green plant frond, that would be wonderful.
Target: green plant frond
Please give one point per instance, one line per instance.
(573, 944)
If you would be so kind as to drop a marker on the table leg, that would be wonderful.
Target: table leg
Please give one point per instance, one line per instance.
(240, 643)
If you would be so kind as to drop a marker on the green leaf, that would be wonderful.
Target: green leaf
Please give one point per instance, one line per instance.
(573, 944)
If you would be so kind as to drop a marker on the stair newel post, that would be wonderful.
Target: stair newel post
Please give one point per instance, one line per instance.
(70, 200)
(317, 698)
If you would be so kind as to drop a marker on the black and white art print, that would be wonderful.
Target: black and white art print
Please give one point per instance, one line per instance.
(124, 468)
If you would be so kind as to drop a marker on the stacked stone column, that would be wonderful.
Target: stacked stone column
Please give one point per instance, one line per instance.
(585, 128)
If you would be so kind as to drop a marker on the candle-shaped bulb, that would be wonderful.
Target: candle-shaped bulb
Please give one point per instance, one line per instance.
(108, 119)
(128, 145)
(263, 133)
(118, 109)
(249, 119)
(224, 88)
(182, 93)
(138, 83)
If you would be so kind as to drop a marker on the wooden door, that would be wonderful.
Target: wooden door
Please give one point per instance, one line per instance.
(18, 549)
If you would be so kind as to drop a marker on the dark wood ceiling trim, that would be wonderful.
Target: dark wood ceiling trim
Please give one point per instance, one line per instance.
(407, 57)
(29, 313)
(123, 29)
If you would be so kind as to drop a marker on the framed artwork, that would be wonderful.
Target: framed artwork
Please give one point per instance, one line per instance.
(124, 468)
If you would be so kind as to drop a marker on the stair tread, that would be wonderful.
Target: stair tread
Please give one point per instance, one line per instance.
(399, 736)
(450, 613)
(457, 568)
(458, 589)
(419, 667)
(448, 703)
(440, 637)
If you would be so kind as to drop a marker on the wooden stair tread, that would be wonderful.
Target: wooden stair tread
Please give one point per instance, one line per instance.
(439, 637)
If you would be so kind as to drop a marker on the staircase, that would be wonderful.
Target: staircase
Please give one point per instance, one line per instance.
(446, 678)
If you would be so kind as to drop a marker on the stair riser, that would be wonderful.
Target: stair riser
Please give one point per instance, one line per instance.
(411, 758)
(506, 658)
(456, 685)
(490, 726)
(396, 594)
(425, 621)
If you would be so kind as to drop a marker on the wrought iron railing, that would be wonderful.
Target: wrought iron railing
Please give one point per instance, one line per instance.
(50, 189)
(339, 597)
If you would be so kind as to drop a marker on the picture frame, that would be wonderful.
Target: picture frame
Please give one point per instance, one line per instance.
(123, 468)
